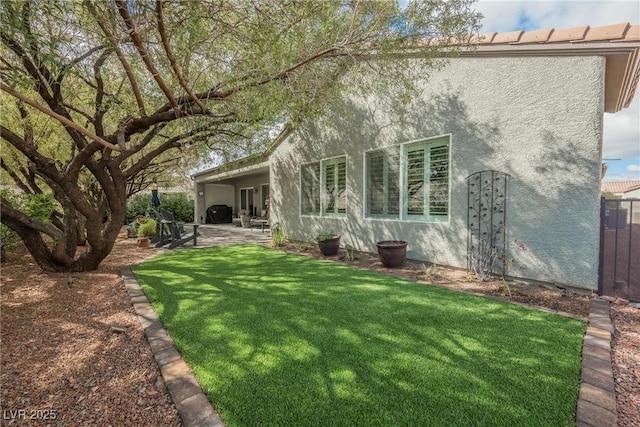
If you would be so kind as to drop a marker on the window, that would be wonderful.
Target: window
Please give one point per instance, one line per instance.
(382, 179)
(426, 180)
(264, 196)
(246, 200)
(310, 189)
(424, 186)
(334, 185)
(324, 187)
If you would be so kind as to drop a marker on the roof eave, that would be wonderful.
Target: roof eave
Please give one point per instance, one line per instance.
(251, 160)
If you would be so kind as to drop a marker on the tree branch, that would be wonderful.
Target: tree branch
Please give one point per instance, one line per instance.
(8, 212)
(166, 145)
(79, 111)
(100, 108)
(41, 85)
(16, 178)
(172, 61)
(120, 55)
(63, 71)
(61, 119)
(146, 58)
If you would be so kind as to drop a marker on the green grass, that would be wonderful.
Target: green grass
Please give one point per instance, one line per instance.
(280, 339)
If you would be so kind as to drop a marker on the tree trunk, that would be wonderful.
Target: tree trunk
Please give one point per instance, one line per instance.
(63, 253)
(81, 229)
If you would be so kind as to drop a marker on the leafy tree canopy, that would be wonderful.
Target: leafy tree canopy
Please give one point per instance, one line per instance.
(99, 96)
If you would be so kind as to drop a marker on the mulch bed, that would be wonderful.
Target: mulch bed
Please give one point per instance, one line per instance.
(63, 363)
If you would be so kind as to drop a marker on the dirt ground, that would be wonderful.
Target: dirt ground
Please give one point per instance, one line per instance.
(65, 362)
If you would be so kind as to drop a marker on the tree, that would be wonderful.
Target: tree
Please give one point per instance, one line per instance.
(99, 96)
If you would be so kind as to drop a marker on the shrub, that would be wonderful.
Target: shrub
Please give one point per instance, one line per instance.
(147, 228)
(39, 206)
(10, 241)
(326, 236)
(278, 235)
(137, 205)
(178, 204)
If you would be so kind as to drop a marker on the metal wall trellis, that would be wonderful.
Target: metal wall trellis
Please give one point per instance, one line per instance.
(486, 221)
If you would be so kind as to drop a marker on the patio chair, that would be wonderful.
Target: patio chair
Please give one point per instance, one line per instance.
(245, 221)
(261, 221)
(173, 232)
(238, 221)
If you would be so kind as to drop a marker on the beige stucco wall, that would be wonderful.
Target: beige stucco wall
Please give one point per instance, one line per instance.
(538, 119)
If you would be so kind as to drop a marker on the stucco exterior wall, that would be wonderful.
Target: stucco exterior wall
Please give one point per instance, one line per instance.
(539, 119)
(633, 194)
(214, 194)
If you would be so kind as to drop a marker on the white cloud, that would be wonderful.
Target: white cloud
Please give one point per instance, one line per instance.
(633, 168)
(511, 15)
(621, 132)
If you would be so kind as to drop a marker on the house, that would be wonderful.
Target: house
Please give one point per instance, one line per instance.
(240, 185)
(622, 189)
(525, 107)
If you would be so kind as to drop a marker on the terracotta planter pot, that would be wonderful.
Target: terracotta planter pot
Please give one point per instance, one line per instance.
(392, 253)
(143, 242)
(329, 247)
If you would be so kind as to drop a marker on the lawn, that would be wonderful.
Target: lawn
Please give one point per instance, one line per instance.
(281, 339)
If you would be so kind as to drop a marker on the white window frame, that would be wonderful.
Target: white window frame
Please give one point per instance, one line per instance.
(326, 199)
(404, 149)
(322, 187)
(263, 197)
(428, 145)
(250, 190)
(302, 185)
(387, 209)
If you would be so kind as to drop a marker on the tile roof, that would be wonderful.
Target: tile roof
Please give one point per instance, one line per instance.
(615, 33)
(619, 186)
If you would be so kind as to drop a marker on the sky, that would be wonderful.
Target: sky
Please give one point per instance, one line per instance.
(621, 134)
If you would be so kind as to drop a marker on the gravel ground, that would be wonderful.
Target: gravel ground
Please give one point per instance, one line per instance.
(64, 361)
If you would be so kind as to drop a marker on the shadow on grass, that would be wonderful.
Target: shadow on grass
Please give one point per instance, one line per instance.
(276, 338)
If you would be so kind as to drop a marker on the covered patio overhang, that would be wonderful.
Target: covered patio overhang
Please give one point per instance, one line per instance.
(231, 188)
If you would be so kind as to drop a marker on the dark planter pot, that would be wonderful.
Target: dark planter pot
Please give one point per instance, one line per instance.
(329, 247)
(392, 253)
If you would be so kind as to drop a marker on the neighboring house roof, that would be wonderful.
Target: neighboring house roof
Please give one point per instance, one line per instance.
(618, 43)
(619, 187)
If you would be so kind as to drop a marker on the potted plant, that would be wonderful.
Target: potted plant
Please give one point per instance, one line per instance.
(132, 230)
(392, 253)
(329, 243)
(146, 230)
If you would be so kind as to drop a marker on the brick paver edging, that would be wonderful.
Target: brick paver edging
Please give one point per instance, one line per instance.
(193, 406)
(597, 398)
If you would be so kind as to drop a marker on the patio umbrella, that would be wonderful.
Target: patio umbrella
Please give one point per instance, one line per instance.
(155, 201)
